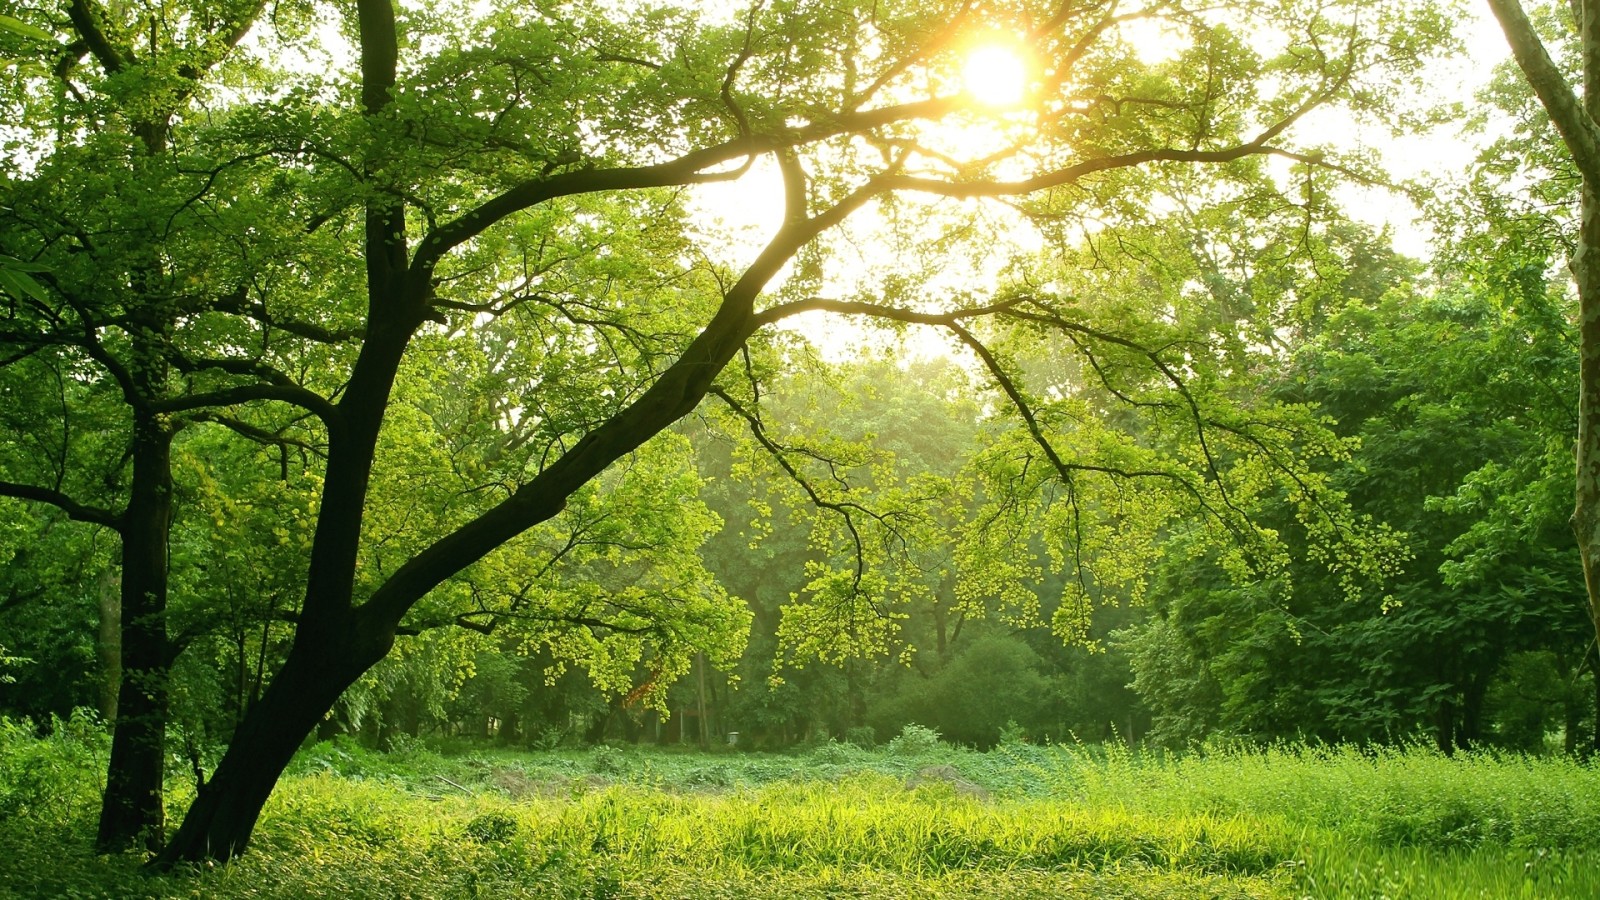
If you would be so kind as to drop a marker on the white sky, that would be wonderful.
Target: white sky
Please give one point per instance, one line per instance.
(749, 209)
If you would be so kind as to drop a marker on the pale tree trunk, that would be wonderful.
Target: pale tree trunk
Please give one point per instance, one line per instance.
(108, 649)
(1586, 514)
(1578, 121)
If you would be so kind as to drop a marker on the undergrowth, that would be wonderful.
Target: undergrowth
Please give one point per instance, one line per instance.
(839, 821)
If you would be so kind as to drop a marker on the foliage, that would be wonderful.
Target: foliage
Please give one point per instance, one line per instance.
(1275, 823)
(1454, 397)
(356, 335)
(913, 740)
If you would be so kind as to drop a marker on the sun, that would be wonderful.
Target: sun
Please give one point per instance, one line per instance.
(995, 74)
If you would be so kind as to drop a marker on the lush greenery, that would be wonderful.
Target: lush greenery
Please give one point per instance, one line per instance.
(1021, 820)
(379, 373)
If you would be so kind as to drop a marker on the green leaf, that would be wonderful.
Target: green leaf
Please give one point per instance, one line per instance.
(19, 27)
(17, 265)
(19, 284)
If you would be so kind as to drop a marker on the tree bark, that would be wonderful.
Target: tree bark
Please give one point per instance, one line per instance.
(1444, 727)
(1575, 118)
(108, 648)
(131, 811)
(323, 662)
(1594, 743)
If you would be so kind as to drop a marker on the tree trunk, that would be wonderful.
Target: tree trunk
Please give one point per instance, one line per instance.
(1471, 731)
(1586, 513)
(108, 648)
(700, 679)
(1444, 727)
(1576, 118)
(1594, 673)
(131, 811)
(322, 664)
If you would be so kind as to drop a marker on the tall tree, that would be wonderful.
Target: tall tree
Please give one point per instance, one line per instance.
(100, 325)
(1573, 104)
(522, 163)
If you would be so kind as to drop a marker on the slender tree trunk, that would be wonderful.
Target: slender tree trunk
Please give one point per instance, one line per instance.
(1594, 744)
(700, 679)
(131, 812)
(108, 648)
(1444, 727)
(1471, 731)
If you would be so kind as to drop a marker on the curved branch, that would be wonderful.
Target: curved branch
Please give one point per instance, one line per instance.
(685, 170)
(778, 454)
(257, 434)
(1578, 131)
(74, 510)
(309, 401)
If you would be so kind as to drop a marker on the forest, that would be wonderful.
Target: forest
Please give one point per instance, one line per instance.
(600, 448)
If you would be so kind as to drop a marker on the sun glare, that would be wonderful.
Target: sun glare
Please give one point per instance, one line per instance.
(995, 75)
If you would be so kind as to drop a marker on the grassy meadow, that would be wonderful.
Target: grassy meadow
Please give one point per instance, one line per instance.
(915, 819)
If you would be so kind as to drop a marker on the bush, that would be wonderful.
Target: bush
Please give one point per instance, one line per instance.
(492, 827)
(44, 778)
(915, 739)
(608, 760)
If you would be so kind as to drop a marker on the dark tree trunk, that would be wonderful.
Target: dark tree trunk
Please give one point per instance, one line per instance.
(1594, 677)
(1471, 731)
(322, 664)
(131, 811)
(1445, 726)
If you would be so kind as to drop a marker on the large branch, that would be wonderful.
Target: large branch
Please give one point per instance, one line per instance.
(1578, 131)
(310, 401)
(691, 168)
(674, 395)
(1074, 173)
(74, 510)
(1259, 145)
(380, 52)
(87, 18)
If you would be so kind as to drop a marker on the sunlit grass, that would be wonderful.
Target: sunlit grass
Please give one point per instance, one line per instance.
(840, 822)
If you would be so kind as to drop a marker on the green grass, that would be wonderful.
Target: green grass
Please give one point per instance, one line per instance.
(839, 822)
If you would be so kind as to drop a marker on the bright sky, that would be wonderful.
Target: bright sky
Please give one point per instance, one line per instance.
(749, 208)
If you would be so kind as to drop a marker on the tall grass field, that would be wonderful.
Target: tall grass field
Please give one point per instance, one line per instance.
(916, 819)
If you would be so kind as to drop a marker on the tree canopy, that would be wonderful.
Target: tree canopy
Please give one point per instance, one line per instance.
(346, 324)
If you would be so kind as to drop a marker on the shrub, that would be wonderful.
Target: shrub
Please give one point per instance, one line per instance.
(608, 760)
(913, 740)
(492, 827)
